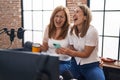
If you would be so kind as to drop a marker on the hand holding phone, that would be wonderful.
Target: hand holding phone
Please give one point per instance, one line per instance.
(56, 45)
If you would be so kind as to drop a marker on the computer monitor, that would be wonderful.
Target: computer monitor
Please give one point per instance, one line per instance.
(22, 65)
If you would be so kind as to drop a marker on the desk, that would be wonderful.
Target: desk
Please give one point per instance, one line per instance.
(112, 70)
(112, 64)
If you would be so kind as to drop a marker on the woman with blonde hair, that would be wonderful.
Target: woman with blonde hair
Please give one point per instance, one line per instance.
(84, 46)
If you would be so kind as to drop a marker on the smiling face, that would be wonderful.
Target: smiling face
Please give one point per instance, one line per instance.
(78, 17)
(59, 19)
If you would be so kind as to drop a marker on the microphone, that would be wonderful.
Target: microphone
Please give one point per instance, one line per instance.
(67, 75)
(12, 35)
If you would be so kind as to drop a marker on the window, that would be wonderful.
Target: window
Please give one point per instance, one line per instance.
(106, 17)
(36, 16)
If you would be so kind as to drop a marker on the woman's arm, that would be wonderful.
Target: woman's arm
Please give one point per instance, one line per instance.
(74, 53)
(44, 47)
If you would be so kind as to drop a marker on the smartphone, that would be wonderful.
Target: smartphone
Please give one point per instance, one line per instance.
(56, 45)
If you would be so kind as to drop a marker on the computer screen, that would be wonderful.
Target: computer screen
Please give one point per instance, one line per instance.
(22, 65)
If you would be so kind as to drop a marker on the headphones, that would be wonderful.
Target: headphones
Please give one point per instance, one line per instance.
(20, 33)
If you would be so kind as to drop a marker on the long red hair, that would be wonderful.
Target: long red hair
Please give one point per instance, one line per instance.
(52, 28)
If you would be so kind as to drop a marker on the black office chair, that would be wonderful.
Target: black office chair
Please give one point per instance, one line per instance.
(28, 46)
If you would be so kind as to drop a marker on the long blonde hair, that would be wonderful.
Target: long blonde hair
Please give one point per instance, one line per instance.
(65, 27)
(86, 23)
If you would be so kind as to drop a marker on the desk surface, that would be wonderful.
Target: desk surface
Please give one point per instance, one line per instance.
(112, 64)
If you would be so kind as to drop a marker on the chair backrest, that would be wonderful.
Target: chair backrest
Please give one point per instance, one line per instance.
(23, 65)
(27, 46)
